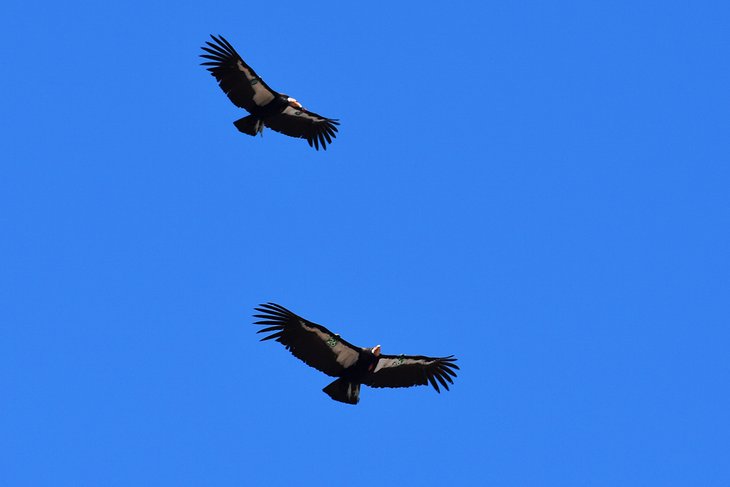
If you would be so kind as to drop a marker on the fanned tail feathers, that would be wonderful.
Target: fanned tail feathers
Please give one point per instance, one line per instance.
(250, 125)
(343, 390)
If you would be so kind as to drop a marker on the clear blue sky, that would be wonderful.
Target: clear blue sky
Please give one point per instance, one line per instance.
(541, 188)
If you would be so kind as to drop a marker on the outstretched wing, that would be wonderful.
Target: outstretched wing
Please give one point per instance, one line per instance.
(303, 124)
(413, 370)
(313, 344)
(236, 78)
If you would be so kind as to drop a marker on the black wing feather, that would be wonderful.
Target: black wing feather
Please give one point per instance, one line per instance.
(303, 124)
(313, 344)
(235, 77)
(413, 370)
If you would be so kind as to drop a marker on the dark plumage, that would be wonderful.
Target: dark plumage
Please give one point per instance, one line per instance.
(327, 352)
(267, 107)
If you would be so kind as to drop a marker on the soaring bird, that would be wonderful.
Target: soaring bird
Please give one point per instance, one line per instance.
(267, 107)
(327, 352)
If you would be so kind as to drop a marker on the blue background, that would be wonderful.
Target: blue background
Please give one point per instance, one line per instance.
(539, 188)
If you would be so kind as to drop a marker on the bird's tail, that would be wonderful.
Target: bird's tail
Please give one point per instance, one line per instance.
(250, 125)
(344, 391)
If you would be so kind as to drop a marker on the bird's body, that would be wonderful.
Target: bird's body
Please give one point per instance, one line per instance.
(267, 107)
(318, 347)
(271, 109)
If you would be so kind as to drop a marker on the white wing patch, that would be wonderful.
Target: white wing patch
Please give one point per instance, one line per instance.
(345, 355)
(397, 361)
(297, 112)
(261, 96)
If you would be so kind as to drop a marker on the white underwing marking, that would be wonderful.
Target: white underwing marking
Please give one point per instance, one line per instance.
(261, 96)
(393, 362)
(299, 113)
(345, 356)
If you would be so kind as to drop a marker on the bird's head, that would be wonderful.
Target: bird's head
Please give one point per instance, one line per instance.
(293, 102)
(376, 350)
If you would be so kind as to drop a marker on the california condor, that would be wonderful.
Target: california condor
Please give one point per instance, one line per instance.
(327, 352)
(267, 107)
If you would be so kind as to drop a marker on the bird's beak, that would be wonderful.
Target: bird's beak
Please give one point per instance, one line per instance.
(376, 350)
(294, 103)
